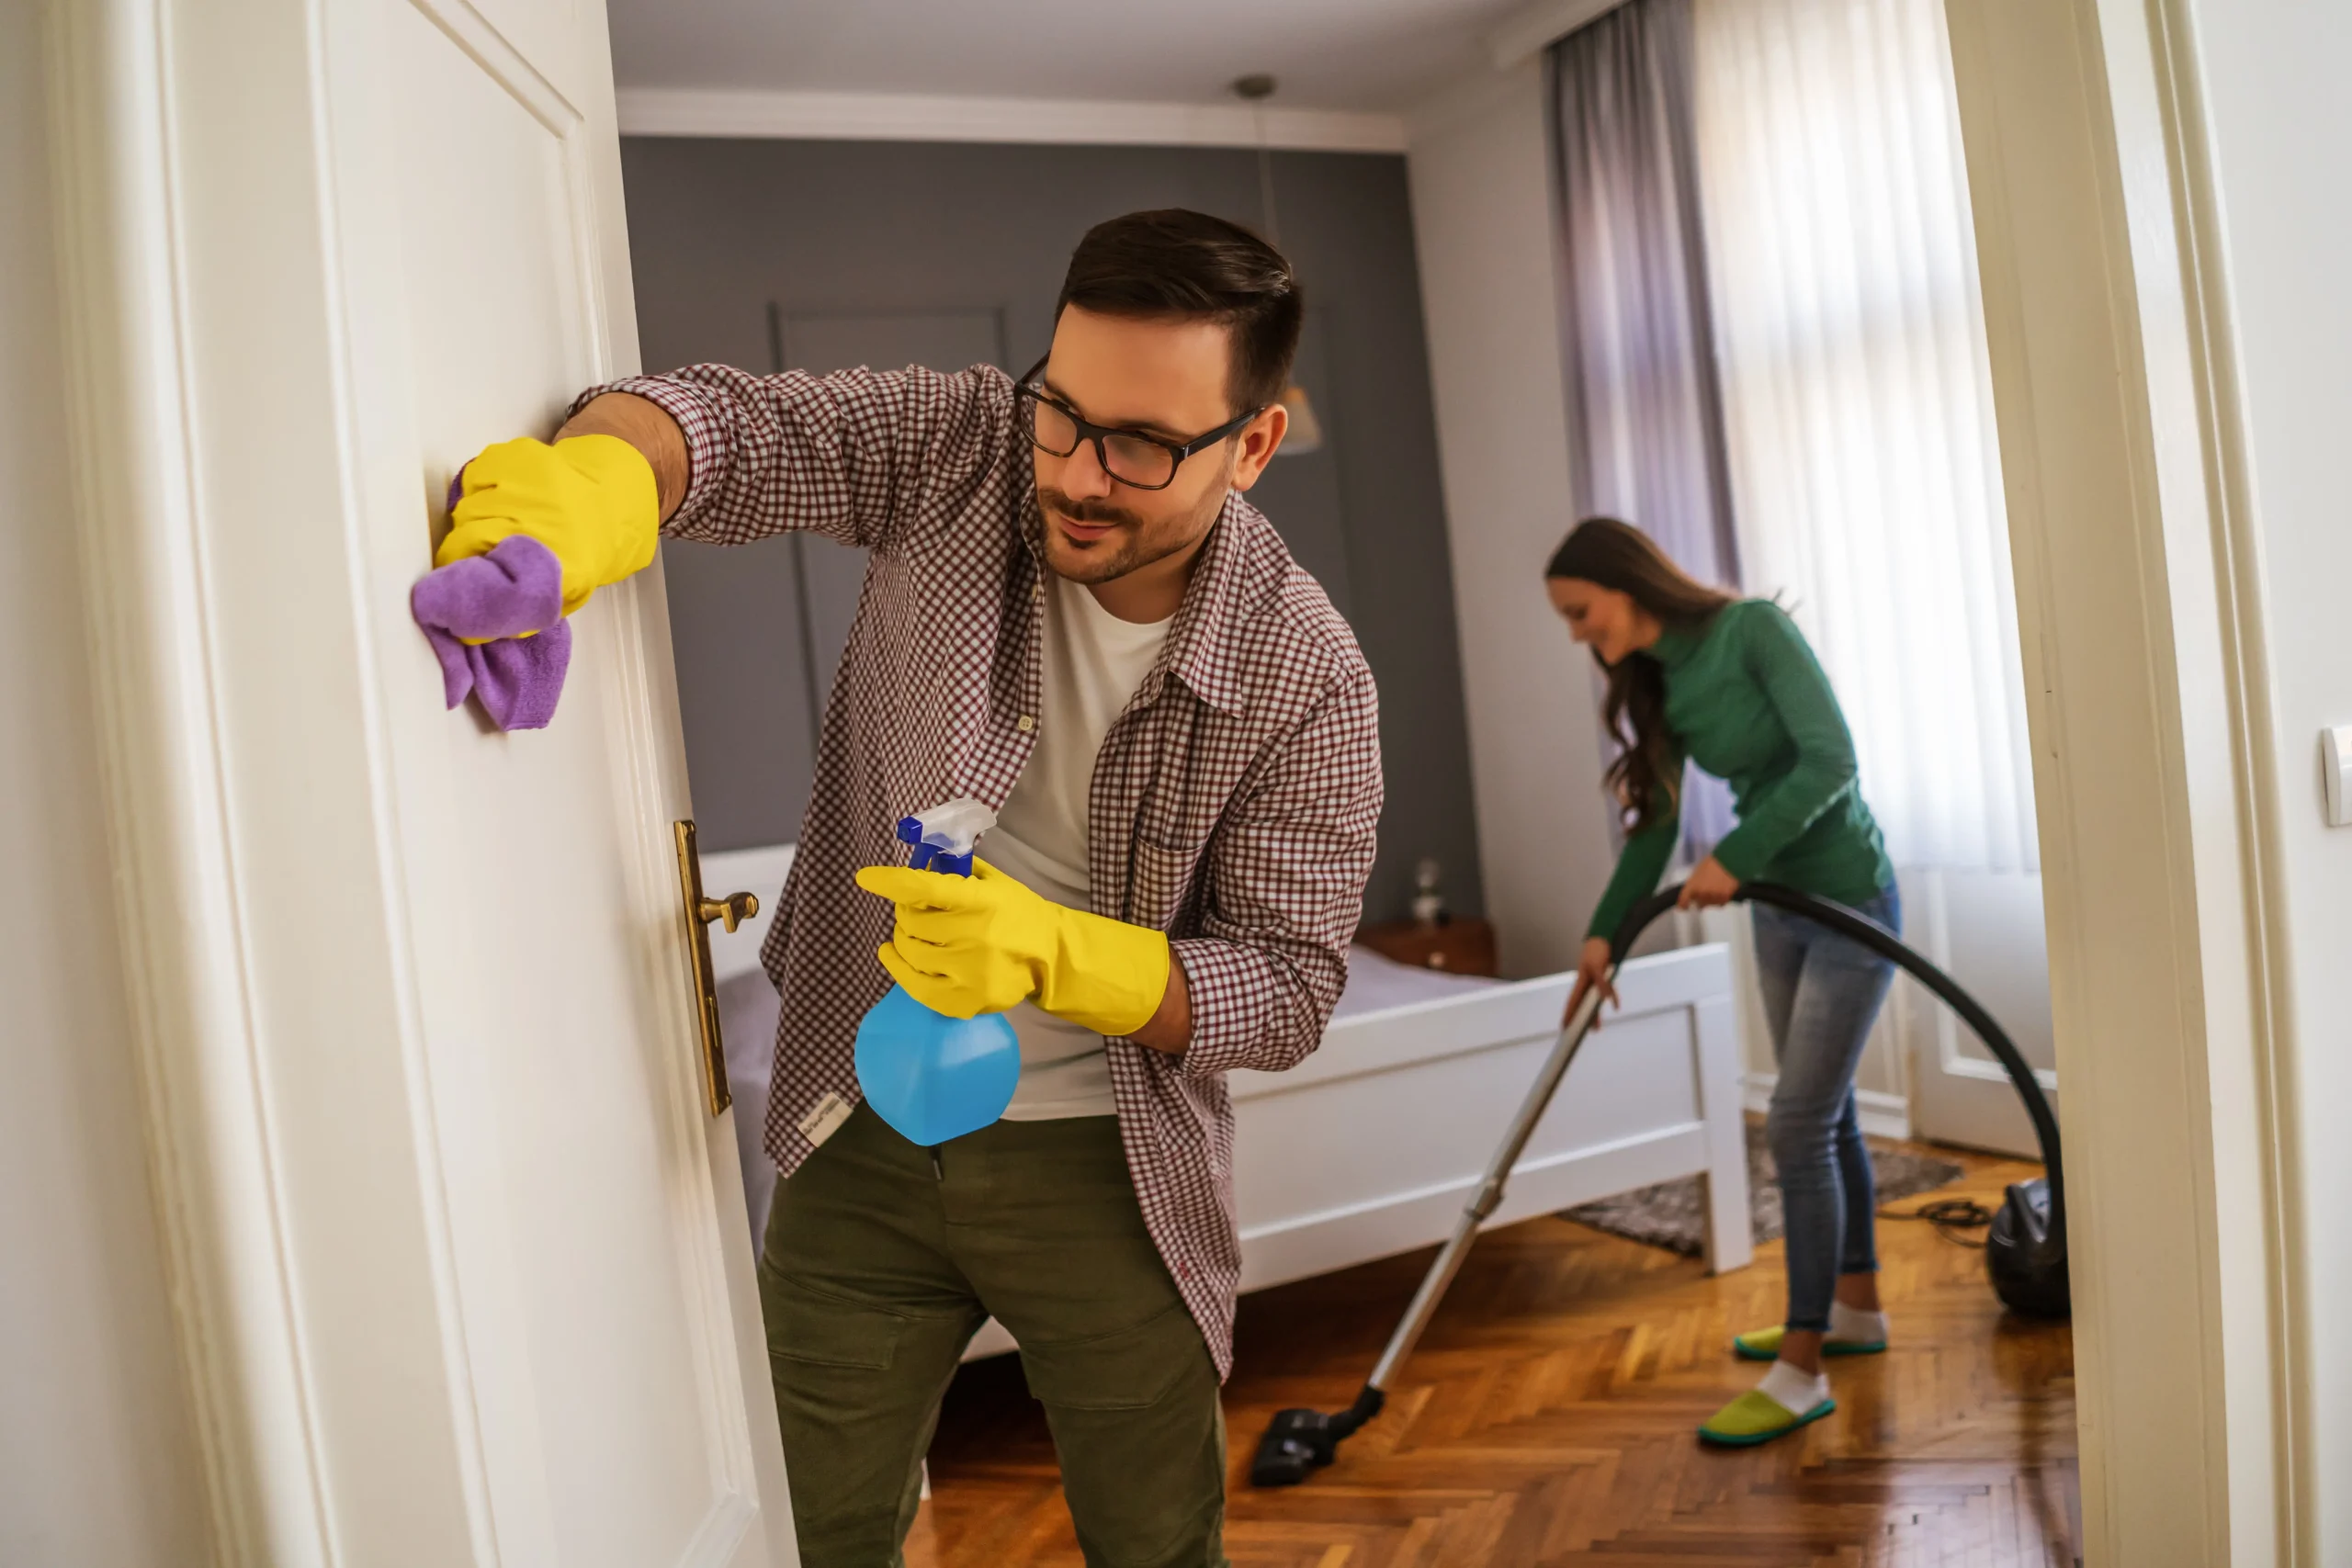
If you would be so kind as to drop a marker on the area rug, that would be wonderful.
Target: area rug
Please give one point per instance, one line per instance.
(1672, 1213)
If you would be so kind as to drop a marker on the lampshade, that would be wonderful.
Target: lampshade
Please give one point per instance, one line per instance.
(1306, 431)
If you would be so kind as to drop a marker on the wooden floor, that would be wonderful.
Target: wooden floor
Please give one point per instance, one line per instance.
(1547, 1420)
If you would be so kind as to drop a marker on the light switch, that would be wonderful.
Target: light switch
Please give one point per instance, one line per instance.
(2336, 749)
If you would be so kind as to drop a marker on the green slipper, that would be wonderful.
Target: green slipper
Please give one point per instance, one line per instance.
(1756, 1417)
(1764, 1345)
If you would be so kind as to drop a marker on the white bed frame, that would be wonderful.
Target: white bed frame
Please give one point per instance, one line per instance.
(1370, 1147)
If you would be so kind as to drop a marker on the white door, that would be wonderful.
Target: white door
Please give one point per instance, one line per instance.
(460, 1242)
(1923, 1073)
(1983, 929)
(601, 1295)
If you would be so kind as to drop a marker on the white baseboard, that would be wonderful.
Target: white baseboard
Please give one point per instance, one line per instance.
(1883, 1115)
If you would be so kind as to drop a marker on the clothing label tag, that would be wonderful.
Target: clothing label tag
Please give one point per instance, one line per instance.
(826, 1119)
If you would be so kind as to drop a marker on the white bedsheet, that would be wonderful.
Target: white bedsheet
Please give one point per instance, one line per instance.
(747, 1007)
(1375, 982)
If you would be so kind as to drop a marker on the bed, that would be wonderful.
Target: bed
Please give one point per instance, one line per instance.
(1370, 1147)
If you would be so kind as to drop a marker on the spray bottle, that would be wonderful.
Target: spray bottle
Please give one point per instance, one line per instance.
(934, 1078)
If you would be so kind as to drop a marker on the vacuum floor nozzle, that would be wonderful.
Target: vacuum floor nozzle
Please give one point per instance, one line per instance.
(1300, 1442)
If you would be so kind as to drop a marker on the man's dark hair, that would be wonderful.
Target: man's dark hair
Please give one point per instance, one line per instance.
(1176, 264)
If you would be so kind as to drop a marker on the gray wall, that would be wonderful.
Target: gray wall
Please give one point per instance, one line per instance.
(765, 253)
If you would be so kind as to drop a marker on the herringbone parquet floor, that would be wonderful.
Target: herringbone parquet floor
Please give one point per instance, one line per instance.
(1547, 1421)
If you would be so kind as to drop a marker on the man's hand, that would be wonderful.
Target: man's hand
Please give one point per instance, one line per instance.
(966, 946)
(591, 499)
(1709, 886)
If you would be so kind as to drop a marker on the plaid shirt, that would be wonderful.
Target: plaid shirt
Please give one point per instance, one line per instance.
(1233, 802)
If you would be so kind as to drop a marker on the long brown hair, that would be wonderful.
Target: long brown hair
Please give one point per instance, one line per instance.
(1644, 778)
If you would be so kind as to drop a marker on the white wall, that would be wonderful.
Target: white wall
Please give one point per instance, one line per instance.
(96, 1465)
(1481, 221)
(2280, 127)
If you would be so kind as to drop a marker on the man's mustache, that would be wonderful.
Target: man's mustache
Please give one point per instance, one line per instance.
(1096, 512)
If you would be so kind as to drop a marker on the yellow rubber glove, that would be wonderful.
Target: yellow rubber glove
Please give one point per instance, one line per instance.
(591, 499)
(966, 946)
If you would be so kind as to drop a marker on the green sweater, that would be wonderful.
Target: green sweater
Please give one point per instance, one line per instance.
(1748, 701)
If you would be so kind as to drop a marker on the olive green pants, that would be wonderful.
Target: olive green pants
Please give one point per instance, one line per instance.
(882, 1260)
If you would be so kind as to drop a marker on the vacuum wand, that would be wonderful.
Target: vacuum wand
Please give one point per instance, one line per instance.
(1301, 1441)
(1489, 1195)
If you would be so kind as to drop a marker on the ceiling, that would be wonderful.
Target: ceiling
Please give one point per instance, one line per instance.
(1377, 55)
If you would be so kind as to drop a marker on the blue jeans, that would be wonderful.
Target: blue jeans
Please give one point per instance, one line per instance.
(1821, 994)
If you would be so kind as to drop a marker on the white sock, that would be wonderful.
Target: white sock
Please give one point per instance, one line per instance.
(1852, 1325)
(1793, 1390)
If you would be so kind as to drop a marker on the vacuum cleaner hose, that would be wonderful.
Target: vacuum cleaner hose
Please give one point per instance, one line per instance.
(1861, 929)
(2025, 1254)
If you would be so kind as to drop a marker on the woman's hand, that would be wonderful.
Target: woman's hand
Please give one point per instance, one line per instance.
(1592, 970)
(1710, 886)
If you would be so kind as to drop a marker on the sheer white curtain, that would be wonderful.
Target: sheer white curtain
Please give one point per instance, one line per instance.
(1858, 399)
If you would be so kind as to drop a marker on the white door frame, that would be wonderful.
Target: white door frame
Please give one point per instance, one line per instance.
(2140, 614)
(2142, 626)
(202, 1115)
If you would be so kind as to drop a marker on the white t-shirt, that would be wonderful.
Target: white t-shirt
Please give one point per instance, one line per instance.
(1094, 661)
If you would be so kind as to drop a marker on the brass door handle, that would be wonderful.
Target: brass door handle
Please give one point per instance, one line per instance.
(734, 909)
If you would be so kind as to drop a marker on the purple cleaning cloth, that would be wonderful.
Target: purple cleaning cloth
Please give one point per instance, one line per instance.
(517, 587)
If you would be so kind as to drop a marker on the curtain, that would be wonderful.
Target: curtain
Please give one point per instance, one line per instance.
(1858, 399)
(1645, 429)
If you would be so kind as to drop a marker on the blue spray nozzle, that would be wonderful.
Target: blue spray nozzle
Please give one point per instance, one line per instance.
(943, 837)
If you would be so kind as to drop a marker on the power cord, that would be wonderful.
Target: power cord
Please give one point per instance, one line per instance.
(1950, 1216)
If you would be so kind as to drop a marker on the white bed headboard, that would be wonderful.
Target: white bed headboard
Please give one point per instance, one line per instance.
(760, 872)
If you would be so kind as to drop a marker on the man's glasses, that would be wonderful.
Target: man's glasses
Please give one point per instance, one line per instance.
(1135, 459)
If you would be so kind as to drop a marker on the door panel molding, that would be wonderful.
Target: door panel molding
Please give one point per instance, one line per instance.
(503, 63)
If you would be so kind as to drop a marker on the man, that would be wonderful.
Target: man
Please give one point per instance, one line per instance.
(1070, 613)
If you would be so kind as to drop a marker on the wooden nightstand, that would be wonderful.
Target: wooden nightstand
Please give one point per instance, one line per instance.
(1458, 947)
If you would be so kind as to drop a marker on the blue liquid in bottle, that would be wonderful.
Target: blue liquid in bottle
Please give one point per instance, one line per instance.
(934, 1078)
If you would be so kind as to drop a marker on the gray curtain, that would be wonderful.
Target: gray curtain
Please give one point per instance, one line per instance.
(1645, 424)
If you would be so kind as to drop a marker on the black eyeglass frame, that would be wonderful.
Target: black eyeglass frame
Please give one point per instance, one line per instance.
(1178, 451)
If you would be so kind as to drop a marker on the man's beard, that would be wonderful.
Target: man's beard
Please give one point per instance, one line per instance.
(1137, 545)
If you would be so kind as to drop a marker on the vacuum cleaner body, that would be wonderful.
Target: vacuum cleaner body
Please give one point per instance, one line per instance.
(2025, 1253)
(2026, 1256)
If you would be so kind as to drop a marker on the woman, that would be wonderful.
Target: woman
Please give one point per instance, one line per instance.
(1730, 685)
